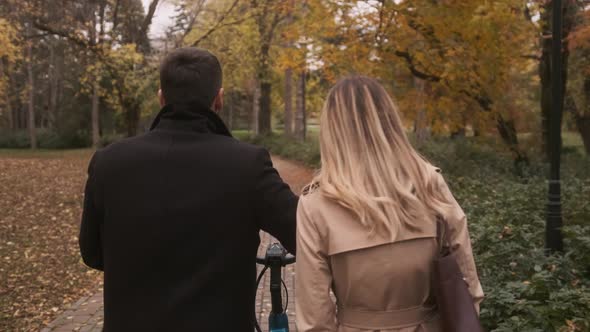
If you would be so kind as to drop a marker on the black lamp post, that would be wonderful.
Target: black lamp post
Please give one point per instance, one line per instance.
(553, 236)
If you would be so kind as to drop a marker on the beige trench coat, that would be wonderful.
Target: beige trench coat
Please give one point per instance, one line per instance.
(380, 283)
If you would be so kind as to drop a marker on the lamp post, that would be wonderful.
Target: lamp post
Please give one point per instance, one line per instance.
(553, 235)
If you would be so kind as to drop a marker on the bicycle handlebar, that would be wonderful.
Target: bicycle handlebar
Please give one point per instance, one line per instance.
(286, 260)
(276, 255)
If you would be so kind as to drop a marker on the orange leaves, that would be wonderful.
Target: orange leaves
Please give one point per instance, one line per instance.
(8, 41)
(580, 36)
(9, 50)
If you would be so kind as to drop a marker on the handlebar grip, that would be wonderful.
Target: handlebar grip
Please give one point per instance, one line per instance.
(289, 259)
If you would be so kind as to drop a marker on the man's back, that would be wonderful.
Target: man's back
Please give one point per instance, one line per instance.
(177, 213)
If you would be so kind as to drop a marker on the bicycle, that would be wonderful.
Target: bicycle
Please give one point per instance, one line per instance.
(276, 258)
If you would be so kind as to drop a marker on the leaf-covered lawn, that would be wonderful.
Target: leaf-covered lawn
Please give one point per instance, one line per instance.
(40, 206)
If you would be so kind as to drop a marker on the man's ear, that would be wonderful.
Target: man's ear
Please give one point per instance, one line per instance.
(161, 98)
(218, 102)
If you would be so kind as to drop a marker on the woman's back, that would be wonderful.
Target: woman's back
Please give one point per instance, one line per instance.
(385, 286)
(380, 283)
(366, 228)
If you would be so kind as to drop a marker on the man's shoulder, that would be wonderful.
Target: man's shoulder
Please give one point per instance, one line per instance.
(234, 143)
(229, 146)
(122, 146)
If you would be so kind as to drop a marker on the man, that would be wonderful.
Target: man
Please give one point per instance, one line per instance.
(173, 216)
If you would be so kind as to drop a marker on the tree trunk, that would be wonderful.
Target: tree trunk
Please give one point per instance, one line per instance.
(10, 113)
(581, 117)
(31, 97)
(300, 116)
(255, 109)
(53, 86)
(583, 120)
(264, 79)
(59, 92)
(230, 112)
(420, 127)
(132, 115)
(288, 102)
(21, 115)
(459, 133)
(95, 113)
(7, 101)
(507, 132)
(583, 124)
(264, 117)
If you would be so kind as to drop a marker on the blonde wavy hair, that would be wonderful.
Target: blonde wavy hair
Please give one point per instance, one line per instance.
(368, 163)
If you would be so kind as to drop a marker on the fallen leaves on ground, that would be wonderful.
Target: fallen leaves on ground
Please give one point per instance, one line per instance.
(41, 272)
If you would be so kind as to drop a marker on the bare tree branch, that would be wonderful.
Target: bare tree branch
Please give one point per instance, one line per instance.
(195, 14)
(148, 18)
(218, 24)
(412, 66)
(116, 15)
(531, 56)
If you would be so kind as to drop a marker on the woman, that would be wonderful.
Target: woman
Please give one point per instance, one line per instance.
(367, 222)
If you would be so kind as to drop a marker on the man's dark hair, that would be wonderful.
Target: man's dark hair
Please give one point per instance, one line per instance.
(190, 74)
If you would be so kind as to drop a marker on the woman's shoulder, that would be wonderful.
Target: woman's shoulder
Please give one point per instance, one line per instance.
(312, 201)
(310, 188)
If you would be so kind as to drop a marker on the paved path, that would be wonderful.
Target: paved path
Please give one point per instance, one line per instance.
(86, 315)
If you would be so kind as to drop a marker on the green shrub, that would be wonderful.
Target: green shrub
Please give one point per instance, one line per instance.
(307, 152)
(110, 139)
(14, 140)
(526, 289)
(46, 139)
(72, 139)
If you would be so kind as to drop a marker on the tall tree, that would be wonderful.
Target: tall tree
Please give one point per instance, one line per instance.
(300, 111)
(227, 29)
(288, 94)
(95, 40)
(292, 60)
(267, 14)
(466, 51)
(31, 124)
(134, 31)
(288, 98)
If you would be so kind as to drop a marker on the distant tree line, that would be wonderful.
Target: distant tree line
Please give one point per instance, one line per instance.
(85, 71)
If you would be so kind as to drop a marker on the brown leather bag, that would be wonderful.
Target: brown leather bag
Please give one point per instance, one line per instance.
(455, 304)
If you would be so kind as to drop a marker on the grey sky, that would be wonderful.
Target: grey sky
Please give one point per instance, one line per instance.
(162, 17)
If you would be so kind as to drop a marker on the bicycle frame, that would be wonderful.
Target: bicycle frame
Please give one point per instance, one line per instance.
(276, 258)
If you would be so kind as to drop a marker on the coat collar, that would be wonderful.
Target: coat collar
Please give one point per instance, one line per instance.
(189, 116)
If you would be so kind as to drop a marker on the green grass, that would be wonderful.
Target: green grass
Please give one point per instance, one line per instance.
(43, 153)
(569, 138)
(572, 141)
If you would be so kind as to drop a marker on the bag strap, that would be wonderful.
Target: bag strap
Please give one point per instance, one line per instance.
(442, 236)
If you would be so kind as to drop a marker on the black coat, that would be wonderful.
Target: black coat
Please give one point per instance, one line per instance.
(173, 218)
